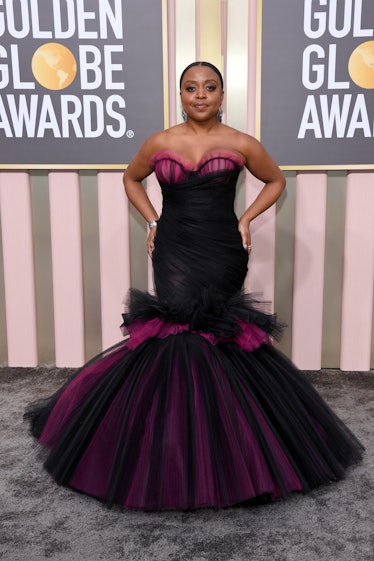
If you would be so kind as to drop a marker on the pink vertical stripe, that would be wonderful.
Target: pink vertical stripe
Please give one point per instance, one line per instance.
(154, 193)
(252, 66)
(19, 279)
(67, 267)
(114, 253)
(311, 191)
(358, 275)
(197, 29)
(262, 260)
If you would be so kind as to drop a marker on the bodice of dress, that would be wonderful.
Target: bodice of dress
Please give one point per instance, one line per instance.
(205, 191)
(198, 249)
(171, 168)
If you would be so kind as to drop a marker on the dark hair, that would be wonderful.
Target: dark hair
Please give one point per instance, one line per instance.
(202, 63)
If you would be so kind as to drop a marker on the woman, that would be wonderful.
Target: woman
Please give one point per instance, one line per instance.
(196, 408)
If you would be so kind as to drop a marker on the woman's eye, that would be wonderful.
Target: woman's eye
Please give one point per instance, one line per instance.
(211, 88)
(190, 88)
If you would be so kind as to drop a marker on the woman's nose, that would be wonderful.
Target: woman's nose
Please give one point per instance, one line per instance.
(200, 92)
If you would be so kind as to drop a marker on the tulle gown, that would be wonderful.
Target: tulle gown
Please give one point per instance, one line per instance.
(196, 408)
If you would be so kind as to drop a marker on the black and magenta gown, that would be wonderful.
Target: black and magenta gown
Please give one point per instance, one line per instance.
(196, 408)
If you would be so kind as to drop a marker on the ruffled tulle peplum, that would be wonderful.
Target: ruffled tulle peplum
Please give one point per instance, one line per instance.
(239, 319)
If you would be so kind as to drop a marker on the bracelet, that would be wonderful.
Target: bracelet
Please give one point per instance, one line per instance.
(152, 224)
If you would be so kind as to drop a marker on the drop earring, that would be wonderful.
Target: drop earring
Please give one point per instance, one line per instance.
(184, 115)
(219, 115)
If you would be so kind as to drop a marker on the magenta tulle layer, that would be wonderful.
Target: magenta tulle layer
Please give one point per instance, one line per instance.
(249, 336)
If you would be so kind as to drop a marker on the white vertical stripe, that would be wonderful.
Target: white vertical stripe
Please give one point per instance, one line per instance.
(358, 276)
(114, 253)
(309, 269)
(67, 267)
(19, 280)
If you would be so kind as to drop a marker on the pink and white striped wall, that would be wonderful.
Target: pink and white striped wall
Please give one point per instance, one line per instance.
(71, 247)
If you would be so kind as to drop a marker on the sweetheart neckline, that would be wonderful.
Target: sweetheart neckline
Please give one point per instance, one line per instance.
(205, 158)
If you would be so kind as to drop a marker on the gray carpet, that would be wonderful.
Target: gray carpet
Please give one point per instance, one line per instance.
(39, 520)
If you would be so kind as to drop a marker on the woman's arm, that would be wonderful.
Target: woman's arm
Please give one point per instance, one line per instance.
(263, 167)
(137, 170)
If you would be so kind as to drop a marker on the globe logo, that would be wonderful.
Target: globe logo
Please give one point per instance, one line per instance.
(54, 66)
(361, 65)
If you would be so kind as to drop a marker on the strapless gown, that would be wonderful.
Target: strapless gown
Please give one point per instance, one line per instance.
(196, 408)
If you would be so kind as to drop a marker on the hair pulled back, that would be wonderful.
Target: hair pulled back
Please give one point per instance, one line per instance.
(202, 63)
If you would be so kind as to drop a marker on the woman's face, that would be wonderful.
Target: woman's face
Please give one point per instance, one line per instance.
(201, 93)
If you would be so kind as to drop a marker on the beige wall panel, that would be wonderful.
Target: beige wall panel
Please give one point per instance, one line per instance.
(284, 260)
(91, 262)
(209, 24)
(334, 258)
(43, 265)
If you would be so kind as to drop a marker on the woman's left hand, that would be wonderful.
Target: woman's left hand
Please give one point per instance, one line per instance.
(243, 228)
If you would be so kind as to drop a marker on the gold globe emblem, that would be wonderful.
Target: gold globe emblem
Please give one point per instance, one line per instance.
(361, 65)
(54, 66)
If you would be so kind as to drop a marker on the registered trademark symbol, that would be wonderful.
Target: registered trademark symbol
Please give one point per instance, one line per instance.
(130, 134)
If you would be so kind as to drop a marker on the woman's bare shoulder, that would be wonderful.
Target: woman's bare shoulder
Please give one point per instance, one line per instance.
(238, 136)
(240, 141)
(161, 140)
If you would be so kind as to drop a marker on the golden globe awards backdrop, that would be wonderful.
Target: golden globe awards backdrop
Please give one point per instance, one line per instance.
(82, 82)
(316, 83)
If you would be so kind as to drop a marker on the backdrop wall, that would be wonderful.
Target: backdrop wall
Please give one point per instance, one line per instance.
(71, 247)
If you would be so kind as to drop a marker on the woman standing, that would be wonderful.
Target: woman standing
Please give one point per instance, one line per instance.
(196, 408)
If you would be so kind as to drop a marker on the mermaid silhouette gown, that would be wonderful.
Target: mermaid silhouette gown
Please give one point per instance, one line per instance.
(196, 407)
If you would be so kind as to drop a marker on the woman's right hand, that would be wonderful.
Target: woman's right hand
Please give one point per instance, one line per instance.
(151, 241)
